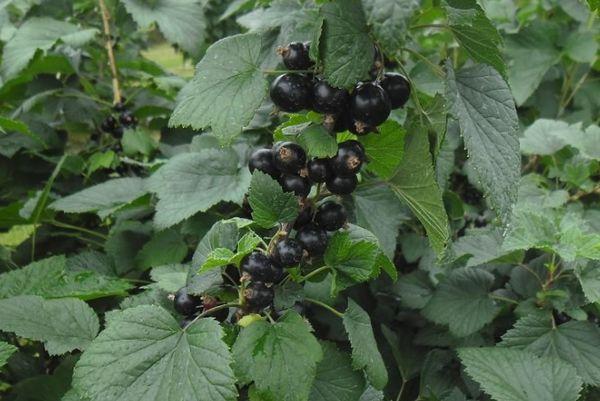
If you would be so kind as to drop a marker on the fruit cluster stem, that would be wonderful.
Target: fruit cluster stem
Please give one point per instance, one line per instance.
(109, 50)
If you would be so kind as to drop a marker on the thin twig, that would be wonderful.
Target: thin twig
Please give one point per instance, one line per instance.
(109, 51)
(324, 305)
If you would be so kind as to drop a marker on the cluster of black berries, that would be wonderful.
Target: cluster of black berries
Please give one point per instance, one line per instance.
(190, 306)
(115, 125)
(360, 112)
(287, 163)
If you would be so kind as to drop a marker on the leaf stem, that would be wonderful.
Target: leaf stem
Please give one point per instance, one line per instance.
(76, 228)
(314, 273)
(109, 50)
(324, 305)
(501, 298)
(211, 311)
(425, 26)
(435, 68)
(273, 72)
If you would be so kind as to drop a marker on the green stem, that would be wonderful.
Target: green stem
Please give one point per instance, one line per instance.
(425, 26)
(314, 273)
(273, 72)
(211, 311)
(435, 68)
(324, 305)
(501, 298)
(76, 228)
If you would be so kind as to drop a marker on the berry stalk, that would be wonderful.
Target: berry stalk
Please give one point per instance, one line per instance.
(109, 50)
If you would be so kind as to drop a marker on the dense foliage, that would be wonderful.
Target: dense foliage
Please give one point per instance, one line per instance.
(349, 200)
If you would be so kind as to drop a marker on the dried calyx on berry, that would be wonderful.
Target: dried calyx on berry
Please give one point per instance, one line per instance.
(259, 267)
(331, 216)
(258, 295)
(349, 159)
(296, 55)
(370, 104)
(292, 92)
(397, 88)
(289, 157)
(185, 303)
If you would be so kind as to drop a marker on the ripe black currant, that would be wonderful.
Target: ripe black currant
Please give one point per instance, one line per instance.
(358, 127)
(292, 92)
(258, 295)
(109, 124)
(295, 56)
(328, 99)
(259, 267)
(262, 159)
(185, 303)
(342, 185)
(127, 119)
(370, 104)
(318, 170)
(331, 216)
(313, 239)
(121, 105)
(288, 252)
(118, 132)
(304, 217)
(296, 184)
(289, 157)
(349, 159)
(397, 88)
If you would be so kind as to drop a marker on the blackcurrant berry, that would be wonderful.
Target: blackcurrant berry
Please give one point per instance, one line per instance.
(330, 100)
(258, 295)
(304, 217)
(289, 157)
(313, 239)
(185, 303)
(397, 88)
(118, 132)
(358, 127)
(288, 252)
(259, 267)
(121, 105)
(292, 92)
(342, 185)
(348, 160)
(109, 124)
(262, 160)
(331, 216)
(370, 104)
(296, 56)
(127, 119)
(296, 184)
(318, 170)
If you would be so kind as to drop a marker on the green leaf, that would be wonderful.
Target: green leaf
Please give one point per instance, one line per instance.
(270, 205)
(546, 137)
(181, 21)
(227, 89)
(484, 245)
(415, 184)
(9, 125)
(582, 47)
(136, 141)
(170, 277)
(462, 301)
(377, 209)
(17, 235)
(389, 20)
(39, 34)
(577, 343)
(56, 277)
(414, 289)
(95, 199)
(385, 150)
(482, 104)
(62, 324)
(164, 247)
(6, 350)
(317, 141)
(589, 278)
(365, 354)
(216, 258)
(144, 354)
(193, 182)
(335, 379)
(102, 160)
(280, 358)
(512, 375)
(353, 261)
(475, 32)
(346, 49)
(531, 53)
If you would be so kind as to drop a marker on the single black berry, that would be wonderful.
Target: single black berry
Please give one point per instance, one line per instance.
(185, 303)
(359, 127)
(292, 92)
(296, 56)
(121, 105)
(118, 132)
(397, 88)
(109, 124)
(331, 216)
(259, 267)
(304, 217)
(296, 184)
(127, 119)
(288, 252)
(262, 160)
(328, 99)
(342, 185)
(370, 104)
(349, 159)
(258, 295)
(313, 239)
(289, 157)
(318, 170)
